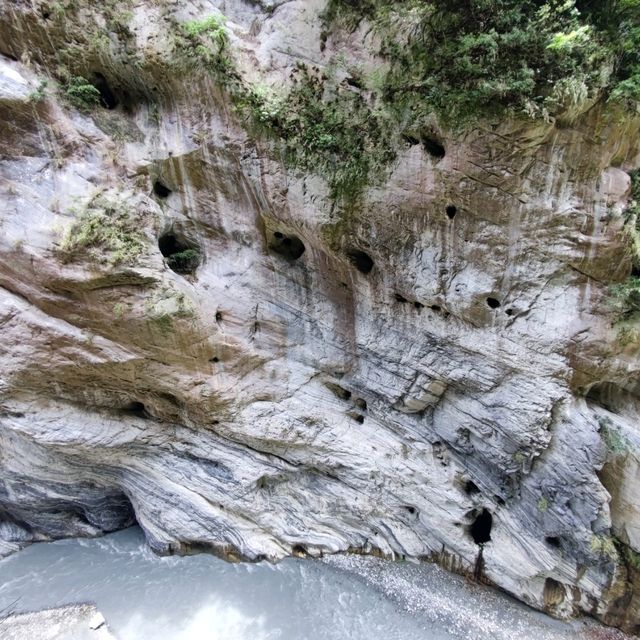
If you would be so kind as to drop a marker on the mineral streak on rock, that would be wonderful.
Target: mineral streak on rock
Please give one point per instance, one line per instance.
(418, 374)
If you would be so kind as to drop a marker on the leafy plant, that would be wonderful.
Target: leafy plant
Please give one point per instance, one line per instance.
(543, 504)
(82, 94)
(624, 298)
(324, 128)
(106, 231)
(184, 261)
(467, 58)
(631, 557)
(205, 43)
(39, 93)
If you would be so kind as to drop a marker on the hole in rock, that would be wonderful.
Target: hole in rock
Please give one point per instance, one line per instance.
(451, 212)
(107, 97)
(358, 418)
(299, 550)
(494, 303)
(433, 148)
(361, 404)
(481, 527)
(554, 541)
(509, 312)
(418, 305)
(400, 298)
(9, 55)
(412, 140)
(336, 389)
(471, 488)
(553, 594)
(214, 359)
(161, 190)
(430, 144)
(635, 270)
(616, 398)
(500, 500)
(436, 307)
(289, 247)
(218, 316)
(411, 510)
(136, 409)
(360, 260)
(182, 257)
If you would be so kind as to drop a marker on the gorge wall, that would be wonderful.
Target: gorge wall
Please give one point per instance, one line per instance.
(199, 337)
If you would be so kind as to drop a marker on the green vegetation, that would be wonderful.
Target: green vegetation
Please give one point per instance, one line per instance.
(205, 44)
(324, 127)
(631, 558)
(39, 93)
(106, 231)
(543, 504)
(617, 444)
(184, 261)
(164, 306)
(604, 546)
(618, 27)
(118, 310)
(625, 299)
(458, 59)
(467, 58)
(82, 94)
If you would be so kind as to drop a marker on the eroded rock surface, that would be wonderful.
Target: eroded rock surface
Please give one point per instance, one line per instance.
(311, 378)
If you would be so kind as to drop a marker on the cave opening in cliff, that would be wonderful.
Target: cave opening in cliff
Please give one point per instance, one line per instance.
(107, 96)
(360, 260)
(433, 147)
(161, 190)
(553, 541)
(430, 144)
(471, 488)
(289, 247)
(493, 303)
(451, 211)
(481, 527)
(136, 408)
(182, 257)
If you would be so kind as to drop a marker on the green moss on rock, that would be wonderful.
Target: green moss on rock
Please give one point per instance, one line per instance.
(105, 231)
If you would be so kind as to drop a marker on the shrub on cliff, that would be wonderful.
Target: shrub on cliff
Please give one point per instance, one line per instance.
(465, 58)
(106, 232)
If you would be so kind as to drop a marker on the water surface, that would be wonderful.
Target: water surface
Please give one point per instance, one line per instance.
(146, 597)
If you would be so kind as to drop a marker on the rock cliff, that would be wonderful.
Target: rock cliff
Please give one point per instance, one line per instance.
(199, 336)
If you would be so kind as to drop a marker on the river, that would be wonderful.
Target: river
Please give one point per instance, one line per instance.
(146, 597)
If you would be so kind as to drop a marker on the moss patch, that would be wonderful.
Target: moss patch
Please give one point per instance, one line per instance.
(106, 231)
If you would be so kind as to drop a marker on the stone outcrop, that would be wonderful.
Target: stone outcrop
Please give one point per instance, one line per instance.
(194, 336)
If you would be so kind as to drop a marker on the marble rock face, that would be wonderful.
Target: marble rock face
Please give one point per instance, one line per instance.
(439, 374)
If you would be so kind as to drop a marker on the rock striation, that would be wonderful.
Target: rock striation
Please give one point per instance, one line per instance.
(197, 339)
